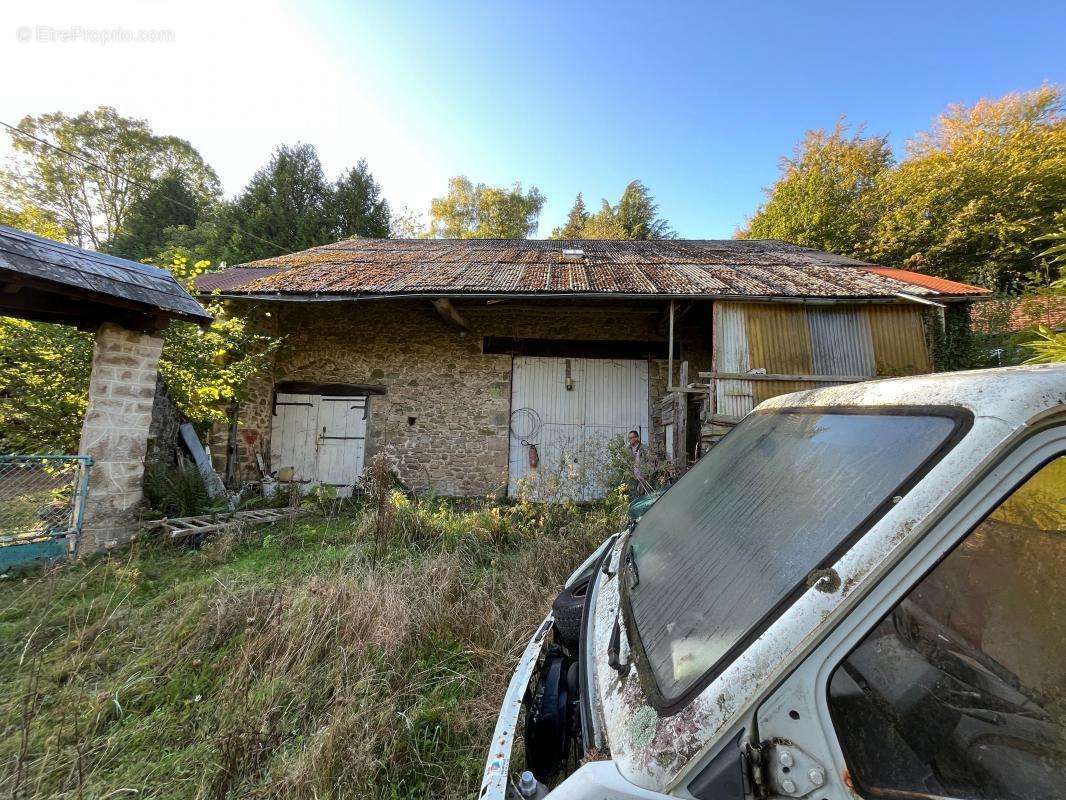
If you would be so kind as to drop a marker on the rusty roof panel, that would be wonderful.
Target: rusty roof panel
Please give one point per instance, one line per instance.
(940, 285)
(680, 268)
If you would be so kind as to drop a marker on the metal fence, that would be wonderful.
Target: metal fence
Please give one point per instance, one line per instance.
(42, 501)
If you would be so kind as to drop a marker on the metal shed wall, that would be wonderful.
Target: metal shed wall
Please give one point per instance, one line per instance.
(844, 339)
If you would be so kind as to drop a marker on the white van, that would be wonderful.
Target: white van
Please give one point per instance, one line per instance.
(859, 592)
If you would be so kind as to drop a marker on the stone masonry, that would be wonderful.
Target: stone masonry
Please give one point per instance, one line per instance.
(115, 432)
(445, 410)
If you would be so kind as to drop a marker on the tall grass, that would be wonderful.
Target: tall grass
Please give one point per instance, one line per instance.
(357, 656)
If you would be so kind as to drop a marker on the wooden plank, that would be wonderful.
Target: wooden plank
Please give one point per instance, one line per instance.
(761, 376)
(212, 482)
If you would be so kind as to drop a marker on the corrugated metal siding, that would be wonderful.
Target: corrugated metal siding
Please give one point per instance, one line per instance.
(609, 398)
(861, 340)
(841, 341)
(779, 341)
(733, 398)
(899, 340)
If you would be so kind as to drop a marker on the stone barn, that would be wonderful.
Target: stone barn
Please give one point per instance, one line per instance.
(479, 364)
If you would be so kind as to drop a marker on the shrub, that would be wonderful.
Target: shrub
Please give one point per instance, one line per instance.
(176, 491)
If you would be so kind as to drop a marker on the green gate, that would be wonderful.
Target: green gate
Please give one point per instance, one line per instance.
(42, 502)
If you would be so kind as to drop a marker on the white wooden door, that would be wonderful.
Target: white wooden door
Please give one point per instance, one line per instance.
(341, 442)
(569, 409)
(321, 439)
(293, 439)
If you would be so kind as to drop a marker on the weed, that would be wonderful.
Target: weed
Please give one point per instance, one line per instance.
(361, 653)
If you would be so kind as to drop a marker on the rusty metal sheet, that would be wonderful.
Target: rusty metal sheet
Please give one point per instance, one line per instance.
(779, 341)
(675, 268)
(941, 285)
(899, 340)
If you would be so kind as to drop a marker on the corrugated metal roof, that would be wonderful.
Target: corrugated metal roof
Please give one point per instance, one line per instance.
(940, 285)
(232, 278)
(696, 268)
(85, 271)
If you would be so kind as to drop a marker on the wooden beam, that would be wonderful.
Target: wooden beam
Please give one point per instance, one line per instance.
(449, 314)
(763, 376)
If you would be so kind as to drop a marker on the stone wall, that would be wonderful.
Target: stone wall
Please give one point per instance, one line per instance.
(164, 433)
(446, 405)
(115, 432)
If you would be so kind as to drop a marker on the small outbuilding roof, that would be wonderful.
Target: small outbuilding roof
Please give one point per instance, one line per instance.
(515, 267)
(49, 281)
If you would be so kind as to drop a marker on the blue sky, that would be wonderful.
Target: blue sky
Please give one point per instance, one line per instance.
(700, 100)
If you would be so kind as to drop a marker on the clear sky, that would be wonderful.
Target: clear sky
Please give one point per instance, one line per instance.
(699, 100)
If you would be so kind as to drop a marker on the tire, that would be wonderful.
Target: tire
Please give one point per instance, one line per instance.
(567, 609)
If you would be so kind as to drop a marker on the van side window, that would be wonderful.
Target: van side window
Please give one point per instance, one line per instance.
(961, 690)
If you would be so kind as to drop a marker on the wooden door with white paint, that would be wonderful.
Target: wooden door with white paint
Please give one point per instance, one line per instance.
(569, 409)
(293, 438)
(319, 440)
(341, 442)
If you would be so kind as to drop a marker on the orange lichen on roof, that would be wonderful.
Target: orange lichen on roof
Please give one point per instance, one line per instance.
(670, 268)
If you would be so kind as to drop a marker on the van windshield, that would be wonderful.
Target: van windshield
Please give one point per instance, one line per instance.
(743, 529)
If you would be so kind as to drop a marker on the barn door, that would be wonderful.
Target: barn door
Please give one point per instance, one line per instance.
(569, 409)
(320, 439)
(293, 432)
(341, 441)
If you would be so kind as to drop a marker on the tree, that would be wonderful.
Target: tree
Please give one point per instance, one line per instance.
(206, 370)
(976, 192)
(575, 221)
(44, 386)
(33, 220)
(1048, 346)
(104, 163)
(824, 196)
(635, 216)
(485, 212)
(638, 214)
(154, 219)
(357, 207)
(282, 209)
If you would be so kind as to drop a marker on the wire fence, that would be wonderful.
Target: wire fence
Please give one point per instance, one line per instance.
(42, 497)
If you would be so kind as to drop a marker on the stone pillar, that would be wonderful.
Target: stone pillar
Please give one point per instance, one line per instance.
(115, 432)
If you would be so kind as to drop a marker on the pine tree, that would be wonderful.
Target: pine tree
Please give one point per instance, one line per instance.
(356, 205)
(575, 221)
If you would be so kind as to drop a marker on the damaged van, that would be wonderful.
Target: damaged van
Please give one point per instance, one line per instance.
(859, 592)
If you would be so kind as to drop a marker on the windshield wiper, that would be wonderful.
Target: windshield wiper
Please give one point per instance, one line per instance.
(631, 568)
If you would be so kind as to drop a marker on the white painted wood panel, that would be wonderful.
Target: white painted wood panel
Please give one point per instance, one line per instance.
(341, 442)
(293, 436)
(322, 439)
(572, 427)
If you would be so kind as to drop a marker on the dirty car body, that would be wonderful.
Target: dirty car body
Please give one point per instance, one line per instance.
(845, 597)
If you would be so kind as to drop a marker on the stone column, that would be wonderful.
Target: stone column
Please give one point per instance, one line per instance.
(115, 432)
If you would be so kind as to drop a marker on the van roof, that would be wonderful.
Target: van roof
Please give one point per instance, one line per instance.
(1013, 394)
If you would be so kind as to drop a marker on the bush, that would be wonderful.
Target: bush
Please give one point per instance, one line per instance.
(176, 491)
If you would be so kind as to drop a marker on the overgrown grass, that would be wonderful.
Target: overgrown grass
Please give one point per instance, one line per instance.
(346, 656)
